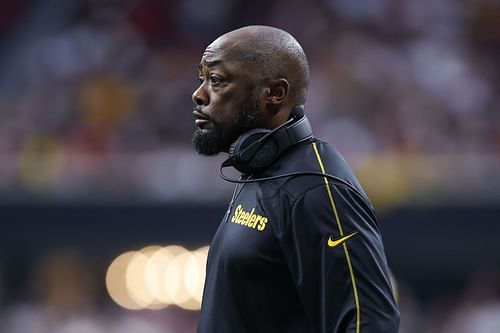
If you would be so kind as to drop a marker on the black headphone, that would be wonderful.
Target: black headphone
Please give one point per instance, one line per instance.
(258, 148)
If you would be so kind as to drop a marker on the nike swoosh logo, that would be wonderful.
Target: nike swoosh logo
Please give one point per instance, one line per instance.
(333, 243)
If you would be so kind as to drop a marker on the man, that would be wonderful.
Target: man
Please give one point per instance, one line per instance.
(294, 253)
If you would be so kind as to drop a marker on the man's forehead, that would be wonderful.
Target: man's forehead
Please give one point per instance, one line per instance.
(222, 50)
(213, 54)
(214, 49)
(212, 60)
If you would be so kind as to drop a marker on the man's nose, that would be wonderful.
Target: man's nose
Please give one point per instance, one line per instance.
(200, 96)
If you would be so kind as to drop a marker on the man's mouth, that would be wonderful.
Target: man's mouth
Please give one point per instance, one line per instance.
(201, 120)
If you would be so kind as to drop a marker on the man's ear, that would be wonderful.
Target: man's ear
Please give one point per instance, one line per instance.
(277, 92)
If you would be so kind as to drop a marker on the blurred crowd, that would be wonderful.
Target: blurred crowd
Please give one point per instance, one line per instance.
(474, 308)
(95, 96)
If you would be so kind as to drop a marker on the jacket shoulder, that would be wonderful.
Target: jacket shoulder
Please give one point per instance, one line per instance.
(309, 161)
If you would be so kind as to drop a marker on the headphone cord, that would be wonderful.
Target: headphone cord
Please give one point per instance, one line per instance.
(291, 174)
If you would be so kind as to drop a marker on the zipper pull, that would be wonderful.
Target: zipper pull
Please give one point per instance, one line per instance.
(228, 212)
(226, 218)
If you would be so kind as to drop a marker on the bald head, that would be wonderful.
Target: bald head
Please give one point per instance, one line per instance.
(249, 78)
(268, 53)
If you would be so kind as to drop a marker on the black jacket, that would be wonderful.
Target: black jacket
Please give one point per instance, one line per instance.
(299, 254)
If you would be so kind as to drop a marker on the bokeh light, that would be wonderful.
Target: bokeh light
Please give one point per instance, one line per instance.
(116, 283)
(156, 277)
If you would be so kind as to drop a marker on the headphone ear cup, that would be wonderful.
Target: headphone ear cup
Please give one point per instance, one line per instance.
(258, 148)
(241, 148)
(265, 155)
(243, 151)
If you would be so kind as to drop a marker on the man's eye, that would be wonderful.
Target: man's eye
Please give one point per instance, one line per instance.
(214, 79)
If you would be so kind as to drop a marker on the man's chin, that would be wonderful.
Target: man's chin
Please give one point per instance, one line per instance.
(206, 142)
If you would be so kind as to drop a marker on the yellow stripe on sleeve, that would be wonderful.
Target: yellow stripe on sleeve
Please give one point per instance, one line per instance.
(341, 231)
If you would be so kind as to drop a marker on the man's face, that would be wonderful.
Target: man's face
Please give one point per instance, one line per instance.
(227, 101)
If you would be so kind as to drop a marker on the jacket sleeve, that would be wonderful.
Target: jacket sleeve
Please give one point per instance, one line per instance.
(332, 245)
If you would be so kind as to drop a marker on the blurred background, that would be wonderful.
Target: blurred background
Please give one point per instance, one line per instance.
(98, 179)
